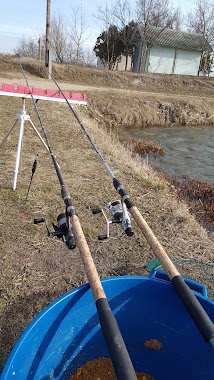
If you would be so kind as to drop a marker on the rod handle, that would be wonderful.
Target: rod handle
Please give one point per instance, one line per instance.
(34, 166)
(121, 361)
(193, 306)
(114, 341)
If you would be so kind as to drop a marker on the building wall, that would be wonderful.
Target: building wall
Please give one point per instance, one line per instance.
(166, 60)
(187, 62)
(100, 64)
(161, 60)
(119, 66)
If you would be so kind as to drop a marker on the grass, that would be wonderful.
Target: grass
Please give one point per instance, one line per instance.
(35, 269)
(142, 147)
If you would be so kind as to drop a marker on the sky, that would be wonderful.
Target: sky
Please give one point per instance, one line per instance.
(28, 18)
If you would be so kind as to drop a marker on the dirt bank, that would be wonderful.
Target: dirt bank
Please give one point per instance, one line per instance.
(140, 110)
(126, 98)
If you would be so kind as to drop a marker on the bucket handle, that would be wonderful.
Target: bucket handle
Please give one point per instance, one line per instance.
(193, 285)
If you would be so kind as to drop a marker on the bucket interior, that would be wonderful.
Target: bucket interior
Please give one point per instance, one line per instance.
(67, 333)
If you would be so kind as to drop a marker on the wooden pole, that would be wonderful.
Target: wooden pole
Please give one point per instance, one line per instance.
(47, 51)
(40, 49)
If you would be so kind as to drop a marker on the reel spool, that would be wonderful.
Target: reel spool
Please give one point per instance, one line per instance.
(120, 215)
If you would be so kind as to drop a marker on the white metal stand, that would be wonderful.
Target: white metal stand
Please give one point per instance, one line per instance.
(22, 116)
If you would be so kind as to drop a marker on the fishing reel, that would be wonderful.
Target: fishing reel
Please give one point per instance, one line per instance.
(63, 230)
(120, 215)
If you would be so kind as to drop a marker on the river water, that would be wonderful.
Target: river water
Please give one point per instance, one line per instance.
(189, 151)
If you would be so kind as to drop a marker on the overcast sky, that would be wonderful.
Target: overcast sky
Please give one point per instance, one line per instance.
(28, 17)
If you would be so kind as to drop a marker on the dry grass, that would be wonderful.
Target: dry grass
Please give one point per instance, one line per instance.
(35, 269)
(139, 110)
(125, 98)
(199, 195)
(141, 147)
(149, 82)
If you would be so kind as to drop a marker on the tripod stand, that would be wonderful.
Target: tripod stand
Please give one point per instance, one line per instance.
(22, 117)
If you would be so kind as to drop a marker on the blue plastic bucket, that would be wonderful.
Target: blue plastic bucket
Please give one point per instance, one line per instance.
(67, 333)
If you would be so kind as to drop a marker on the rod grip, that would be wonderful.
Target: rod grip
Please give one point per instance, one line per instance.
(34, 166)
(193, 306)
(121, 361)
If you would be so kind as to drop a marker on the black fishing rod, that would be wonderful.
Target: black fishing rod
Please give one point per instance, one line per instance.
(33, 172)
(118, 352)
(193, 306)
(69, 238)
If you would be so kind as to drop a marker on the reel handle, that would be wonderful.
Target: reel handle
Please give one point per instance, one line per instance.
(38, 220)
(102, 237)
(96, 210)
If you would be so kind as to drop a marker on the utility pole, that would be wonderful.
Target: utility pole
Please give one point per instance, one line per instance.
(40, 49)
(48, 33)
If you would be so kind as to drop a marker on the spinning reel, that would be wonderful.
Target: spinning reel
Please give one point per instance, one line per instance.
(63, 230)
(120, 215)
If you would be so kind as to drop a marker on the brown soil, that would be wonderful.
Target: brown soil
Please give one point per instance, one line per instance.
(101, 369)
(35, 269)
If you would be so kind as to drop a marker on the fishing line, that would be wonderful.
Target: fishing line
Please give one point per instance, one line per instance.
(118, 352)
(193, 306)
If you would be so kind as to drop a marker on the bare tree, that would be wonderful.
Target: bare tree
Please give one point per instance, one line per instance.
(157, 13)
(27, 47)
(201, 20)
(104, 14)
(78, 31)
(123, 16)
(88, 57)
(59, 40)
(122, 13)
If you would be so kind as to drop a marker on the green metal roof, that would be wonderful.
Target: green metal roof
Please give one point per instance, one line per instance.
(171, 38)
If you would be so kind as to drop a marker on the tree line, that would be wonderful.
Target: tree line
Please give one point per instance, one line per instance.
(117, 23)
(67, 40)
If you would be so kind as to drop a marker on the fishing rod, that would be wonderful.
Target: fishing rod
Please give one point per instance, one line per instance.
(193, 306)
(121, 361)
(33, 172)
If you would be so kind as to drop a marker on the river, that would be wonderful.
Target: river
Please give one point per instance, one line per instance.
(189, 151)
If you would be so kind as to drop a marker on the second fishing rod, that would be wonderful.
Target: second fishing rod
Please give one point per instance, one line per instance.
(191, 303)
(121, 361)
